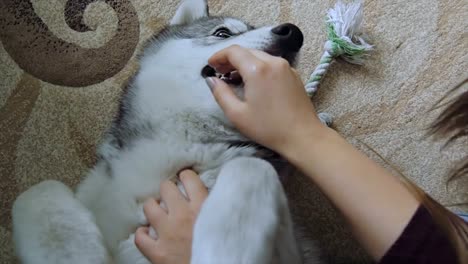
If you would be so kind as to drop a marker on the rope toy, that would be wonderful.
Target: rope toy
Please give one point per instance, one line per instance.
(344, 41)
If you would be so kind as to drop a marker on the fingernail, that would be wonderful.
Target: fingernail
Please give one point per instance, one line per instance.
(211, 81)
(182, 175)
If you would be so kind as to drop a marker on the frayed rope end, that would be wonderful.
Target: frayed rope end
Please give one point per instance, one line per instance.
(344, 32)
(344, 40)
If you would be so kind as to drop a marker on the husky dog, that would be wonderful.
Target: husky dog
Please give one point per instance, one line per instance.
(168, 120)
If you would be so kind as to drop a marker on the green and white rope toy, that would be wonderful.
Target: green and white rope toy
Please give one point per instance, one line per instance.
(344, 41)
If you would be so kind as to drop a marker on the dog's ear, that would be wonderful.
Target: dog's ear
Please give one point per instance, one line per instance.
(190, 10)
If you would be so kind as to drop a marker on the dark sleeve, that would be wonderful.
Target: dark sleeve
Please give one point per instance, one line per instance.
(421, 242)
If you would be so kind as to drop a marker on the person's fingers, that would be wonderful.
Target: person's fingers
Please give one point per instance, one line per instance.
(236, 58)
(172, 197)
(145, 243)
(154, 213)
(265, 56)
(226, 98)
(163, 206)
(196, 190)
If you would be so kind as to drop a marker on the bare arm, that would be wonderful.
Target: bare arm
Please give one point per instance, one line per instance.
(375, 203)
(277, 113)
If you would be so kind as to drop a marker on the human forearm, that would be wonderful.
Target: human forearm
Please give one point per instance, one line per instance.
(276, 112)
(374, 202)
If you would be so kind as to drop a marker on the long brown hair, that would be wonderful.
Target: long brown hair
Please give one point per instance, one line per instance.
(452, 124)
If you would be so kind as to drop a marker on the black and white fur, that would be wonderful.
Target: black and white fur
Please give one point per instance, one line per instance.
(168, 121)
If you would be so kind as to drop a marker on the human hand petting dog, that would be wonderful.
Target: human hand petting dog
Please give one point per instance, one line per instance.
(276, 109)
(174, 226)
(277, 113)
(274, 112)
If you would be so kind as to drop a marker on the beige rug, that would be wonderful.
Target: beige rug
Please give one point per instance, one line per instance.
(62, 65)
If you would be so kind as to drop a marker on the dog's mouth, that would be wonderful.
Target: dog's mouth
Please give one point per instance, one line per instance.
(232, 77)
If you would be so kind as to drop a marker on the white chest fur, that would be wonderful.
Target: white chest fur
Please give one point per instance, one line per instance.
(136, 173)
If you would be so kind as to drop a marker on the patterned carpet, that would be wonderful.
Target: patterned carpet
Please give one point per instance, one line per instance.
(63, 63)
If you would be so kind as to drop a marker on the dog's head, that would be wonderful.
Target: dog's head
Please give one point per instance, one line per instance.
(180, 52)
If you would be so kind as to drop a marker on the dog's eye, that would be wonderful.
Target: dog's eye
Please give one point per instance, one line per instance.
(222, 33)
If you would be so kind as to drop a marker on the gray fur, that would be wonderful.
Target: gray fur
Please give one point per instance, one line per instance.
(168, 120)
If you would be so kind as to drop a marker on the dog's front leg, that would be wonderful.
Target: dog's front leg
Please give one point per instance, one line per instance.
(51, 226)
(244, 217)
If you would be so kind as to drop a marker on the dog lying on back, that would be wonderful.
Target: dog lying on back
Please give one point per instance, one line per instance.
(168, 120)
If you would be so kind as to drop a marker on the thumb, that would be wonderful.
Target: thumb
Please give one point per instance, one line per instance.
(224, 95)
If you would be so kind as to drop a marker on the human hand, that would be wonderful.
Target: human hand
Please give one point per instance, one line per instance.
(276, 109)
(174, 227)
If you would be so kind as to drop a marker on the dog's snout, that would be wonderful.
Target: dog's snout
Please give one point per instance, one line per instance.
(289, 36)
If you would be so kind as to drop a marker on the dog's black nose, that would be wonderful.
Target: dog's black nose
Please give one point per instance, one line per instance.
(289, 36)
